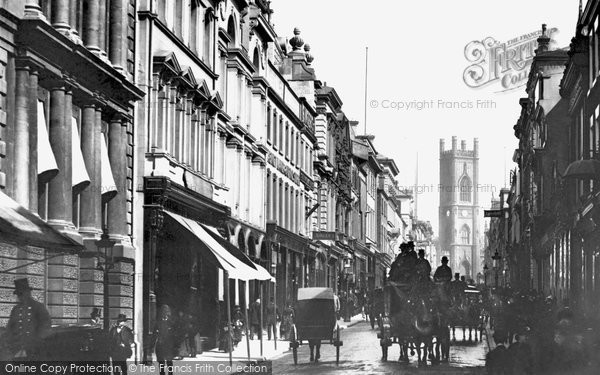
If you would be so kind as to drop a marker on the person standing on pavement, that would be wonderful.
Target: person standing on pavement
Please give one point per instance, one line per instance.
(29, 323)
(255, 327)
(443, 273)
(272, 318)
(165, 345)
(121, 342)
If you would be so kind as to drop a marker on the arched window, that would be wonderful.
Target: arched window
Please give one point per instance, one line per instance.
(465, 189)
(231, 30)
(465, 235)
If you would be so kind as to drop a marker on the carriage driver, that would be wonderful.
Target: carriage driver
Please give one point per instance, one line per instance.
(443, 272)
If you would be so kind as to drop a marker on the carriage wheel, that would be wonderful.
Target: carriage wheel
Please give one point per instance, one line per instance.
(337, 346)
(294, 344)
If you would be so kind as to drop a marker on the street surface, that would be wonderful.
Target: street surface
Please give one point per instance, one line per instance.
(361, 354)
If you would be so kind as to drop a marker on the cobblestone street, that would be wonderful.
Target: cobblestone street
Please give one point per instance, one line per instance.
(361, 354)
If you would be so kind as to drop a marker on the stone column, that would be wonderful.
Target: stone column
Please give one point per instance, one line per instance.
(102, 28)
(33, 10)
(117, 35)
(90, 198)
(117, 154)
(60, 193)
(201, 137)
(21, 145)
(33, 140)
(195, 124)
(73, 5)
(179, 131)
(60, 16)
(161, 119)
(91, 26)
(172, 120)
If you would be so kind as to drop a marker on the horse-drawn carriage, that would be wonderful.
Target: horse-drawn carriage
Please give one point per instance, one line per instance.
(467, 312)
(415, 318)
(315, 322)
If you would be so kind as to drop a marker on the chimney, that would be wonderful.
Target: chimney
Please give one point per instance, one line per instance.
(442, 146)
(543, 41)
(454, 143)
(463, 145)
(476, 147)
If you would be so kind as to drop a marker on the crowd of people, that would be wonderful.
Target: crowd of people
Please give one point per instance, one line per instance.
(532, 334)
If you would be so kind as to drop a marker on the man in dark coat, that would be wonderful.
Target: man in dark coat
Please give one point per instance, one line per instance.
(443, 273)
(28, 324)
(121, 342)
(272, 317)
(423, 267)
(496, 360)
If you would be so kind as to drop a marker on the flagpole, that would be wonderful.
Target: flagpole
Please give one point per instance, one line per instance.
(366, 84)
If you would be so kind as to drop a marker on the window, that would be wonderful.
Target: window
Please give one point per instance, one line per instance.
(207, 39)
(194, 27)
(465, 235)
(231, 31)
(269, 123)
(256, 60)
(465, 189)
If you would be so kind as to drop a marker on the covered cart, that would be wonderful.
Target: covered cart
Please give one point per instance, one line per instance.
(315, 320)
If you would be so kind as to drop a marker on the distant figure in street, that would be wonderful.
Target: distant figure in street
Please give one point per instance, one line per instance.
(165, 345)
(272, 318)
(423, 267)
(312, 344)
(255, 327)
(336, 304)
(443, 273)
(95, 317)
(28, 324)
(121, 341)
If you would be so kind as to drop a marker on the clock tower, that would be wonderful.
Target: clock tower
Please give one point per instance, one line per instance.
(459, 211)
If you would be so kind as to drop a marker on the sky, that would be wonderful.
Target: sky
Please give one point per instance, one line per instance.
(416, 91)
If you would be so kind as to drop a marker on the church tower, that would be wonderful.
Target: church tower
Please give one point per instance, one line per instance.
(459, 207)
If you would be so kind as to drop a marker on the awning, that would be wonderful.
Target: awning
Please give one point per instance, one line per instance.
(265, 275)
(81, 178)
(583, 169)
(46, 163)
(235, 268)
(20, 225)
(108, 185)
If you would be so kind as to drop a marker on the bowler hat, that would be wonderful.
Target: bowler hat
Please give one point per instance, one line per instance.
(121, 318)
(21, 285)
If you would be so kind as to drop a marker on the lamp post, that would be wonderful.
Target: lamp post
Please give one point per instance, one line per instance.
(347, 273)
(274, 273)
(496, 259)
(485, 273)
(106, 262)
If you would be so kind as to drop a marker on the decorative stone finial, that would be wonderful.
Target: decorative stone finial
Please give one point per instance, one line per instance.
(543, 41)
(296, 42)
(309, 57)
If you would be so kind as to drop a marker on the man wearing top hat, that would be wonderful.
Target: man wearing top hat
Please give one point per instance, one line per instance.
(28, 324)
(121, 342)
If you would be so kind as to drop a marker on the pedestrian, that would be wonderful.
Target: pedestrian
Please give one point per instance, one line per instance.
(336, 306)
(191, 328)
(95, 317)
(272, 318)
(28, 325)
(496, 359)
(443, 273)
(165, 346)
(255, 327)
(312, 344)
(121, 342)
(520, 357)
(287, 322)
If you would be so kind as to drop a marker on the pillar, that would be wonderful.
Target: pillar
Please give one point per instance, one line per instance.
(118, 35)
(60, 193)
(33, 9)
(33, 140)
(21, 150)
(117, 154)
(102, 27)
(60, 16)
(90, 198)
(73, 10)
(91, 25)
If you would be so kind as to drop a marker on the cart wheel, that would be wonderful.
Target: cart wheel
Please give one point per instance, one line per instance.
(294, 344)
(337, 346)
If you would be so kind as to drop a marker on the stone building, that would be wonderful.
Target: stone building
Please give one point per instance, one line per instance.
(66, 135)
(459, 210)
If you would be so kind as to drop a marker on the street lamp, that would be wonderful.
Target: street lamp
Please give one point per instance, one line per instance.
(496, 259)
(485, 273)
(106, 262)
(274, 273)
(347, 273)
